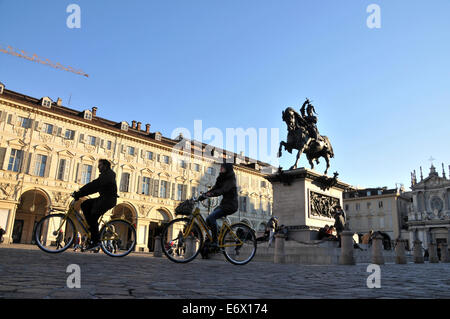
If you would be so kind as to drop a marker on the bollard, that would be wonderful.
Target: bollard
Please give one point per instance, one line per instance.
(377, 250)
(444, 253)
(279, 255)
(346, 257)
(190, 248)
(432, 250)
(418, 255)
(400, 257)
(157, 252)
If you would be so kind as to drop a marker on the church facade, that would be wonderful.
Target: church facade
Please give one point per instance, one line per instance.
(429, 214)
(48, 151)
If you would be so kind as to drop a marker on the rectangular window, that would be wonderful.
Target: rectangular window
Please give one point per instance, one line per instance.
(380, 204)
(149, 155)
(48, 128)
(263, 184)
(194, 191)
(69, 135)
(131, 150)
(164, 189)
(183, 164)
(179, 192)
(24, 122)
(15, 160)
(165, 159)
(155, 188)
(211, 171)
(197, 167)
(86, 173)
(145, 187)
(39, 166)
(92, 140)
(61, 169)
(357, 206)
(243, 204)
(124, 182)
(108, 145)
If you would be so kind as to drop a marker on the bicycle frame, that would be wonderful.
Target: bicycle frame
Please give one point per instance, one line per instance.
(73, 214)
(198, 219)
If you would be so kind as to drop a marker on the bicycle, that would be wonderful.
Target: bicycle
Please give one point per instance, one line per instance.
(56, 232)
(182, 238)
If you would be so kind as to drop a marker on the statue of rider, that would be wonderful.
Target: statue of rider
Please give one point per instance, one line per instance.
(311, 120)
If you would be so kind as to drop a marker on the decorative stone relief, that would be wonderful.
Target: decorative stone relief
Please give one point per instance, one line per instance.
(8, 191)
(322, 205)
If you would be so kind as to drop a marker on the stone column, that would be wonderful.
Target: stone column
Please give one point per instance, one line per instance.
(400, 257)
(418, 254)
(158, 251)
(377, 250)
(432, 251)
(346, 257)
(279, 255)
(444, 253)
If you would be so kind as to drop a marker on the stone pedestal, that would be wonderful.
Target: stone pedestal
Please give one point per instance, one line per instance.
(444, 253)
(400, 257)
(377, 250)
(432, 251)
(346, 257)
(279, 255)
(158, 251)
(418, 254)
(304, 200)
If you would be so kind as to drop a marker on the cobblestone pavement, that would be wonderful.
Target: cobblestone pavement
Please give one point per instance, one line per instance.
(27, 272)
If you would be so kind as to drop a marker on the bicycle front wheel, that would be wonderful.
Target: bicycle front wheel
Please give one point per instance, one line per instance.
(118, 238)
(178, 247)
(239, 244)
(54, 233)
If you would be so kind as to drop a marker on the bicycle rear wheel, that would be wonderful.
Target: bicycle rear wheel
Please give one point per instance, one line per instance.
(54, 233)
(117, 238)
(178, 248)
(239, 244)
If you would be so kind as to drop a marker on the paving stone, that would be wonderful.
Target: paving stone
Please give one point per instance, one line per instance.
(27, 272)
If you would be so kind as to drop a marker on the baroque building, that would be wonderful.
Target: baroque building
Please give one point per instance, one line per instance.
(47, 151)
(429, 214)
(378, 209)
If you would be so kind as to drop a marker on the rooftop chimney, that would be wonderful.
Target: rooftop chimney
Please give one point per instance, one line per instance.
(94, 111)
(139, 126)
(133, 124)
(147, 128)
(59, 102)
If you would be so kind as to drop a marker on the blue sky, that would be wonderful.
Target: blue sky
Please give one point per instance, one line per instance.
(382, 95)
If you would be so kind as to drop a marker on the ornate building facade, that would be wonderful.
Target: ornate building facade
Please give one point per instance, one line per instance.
(47, 151)
(429, 215)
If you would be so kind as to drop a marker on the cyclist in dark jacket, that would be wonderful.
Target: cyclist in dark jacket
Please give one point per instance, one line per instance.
(227, 187)
(93, 208)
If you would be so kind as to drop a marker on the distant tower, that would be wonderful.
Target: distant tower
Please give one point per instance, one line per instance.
(421, 174)
(443, 171)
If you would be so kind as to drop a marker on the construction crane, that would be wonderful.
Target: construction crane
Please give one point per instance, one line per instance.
(22, 54)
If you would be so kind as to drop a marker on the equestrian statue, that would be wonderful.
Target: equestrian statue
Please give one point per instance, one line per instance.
(304, 136)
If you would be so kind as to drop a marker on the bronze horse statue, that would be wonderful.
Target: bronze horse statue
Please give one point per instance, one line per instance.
(304, 137)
